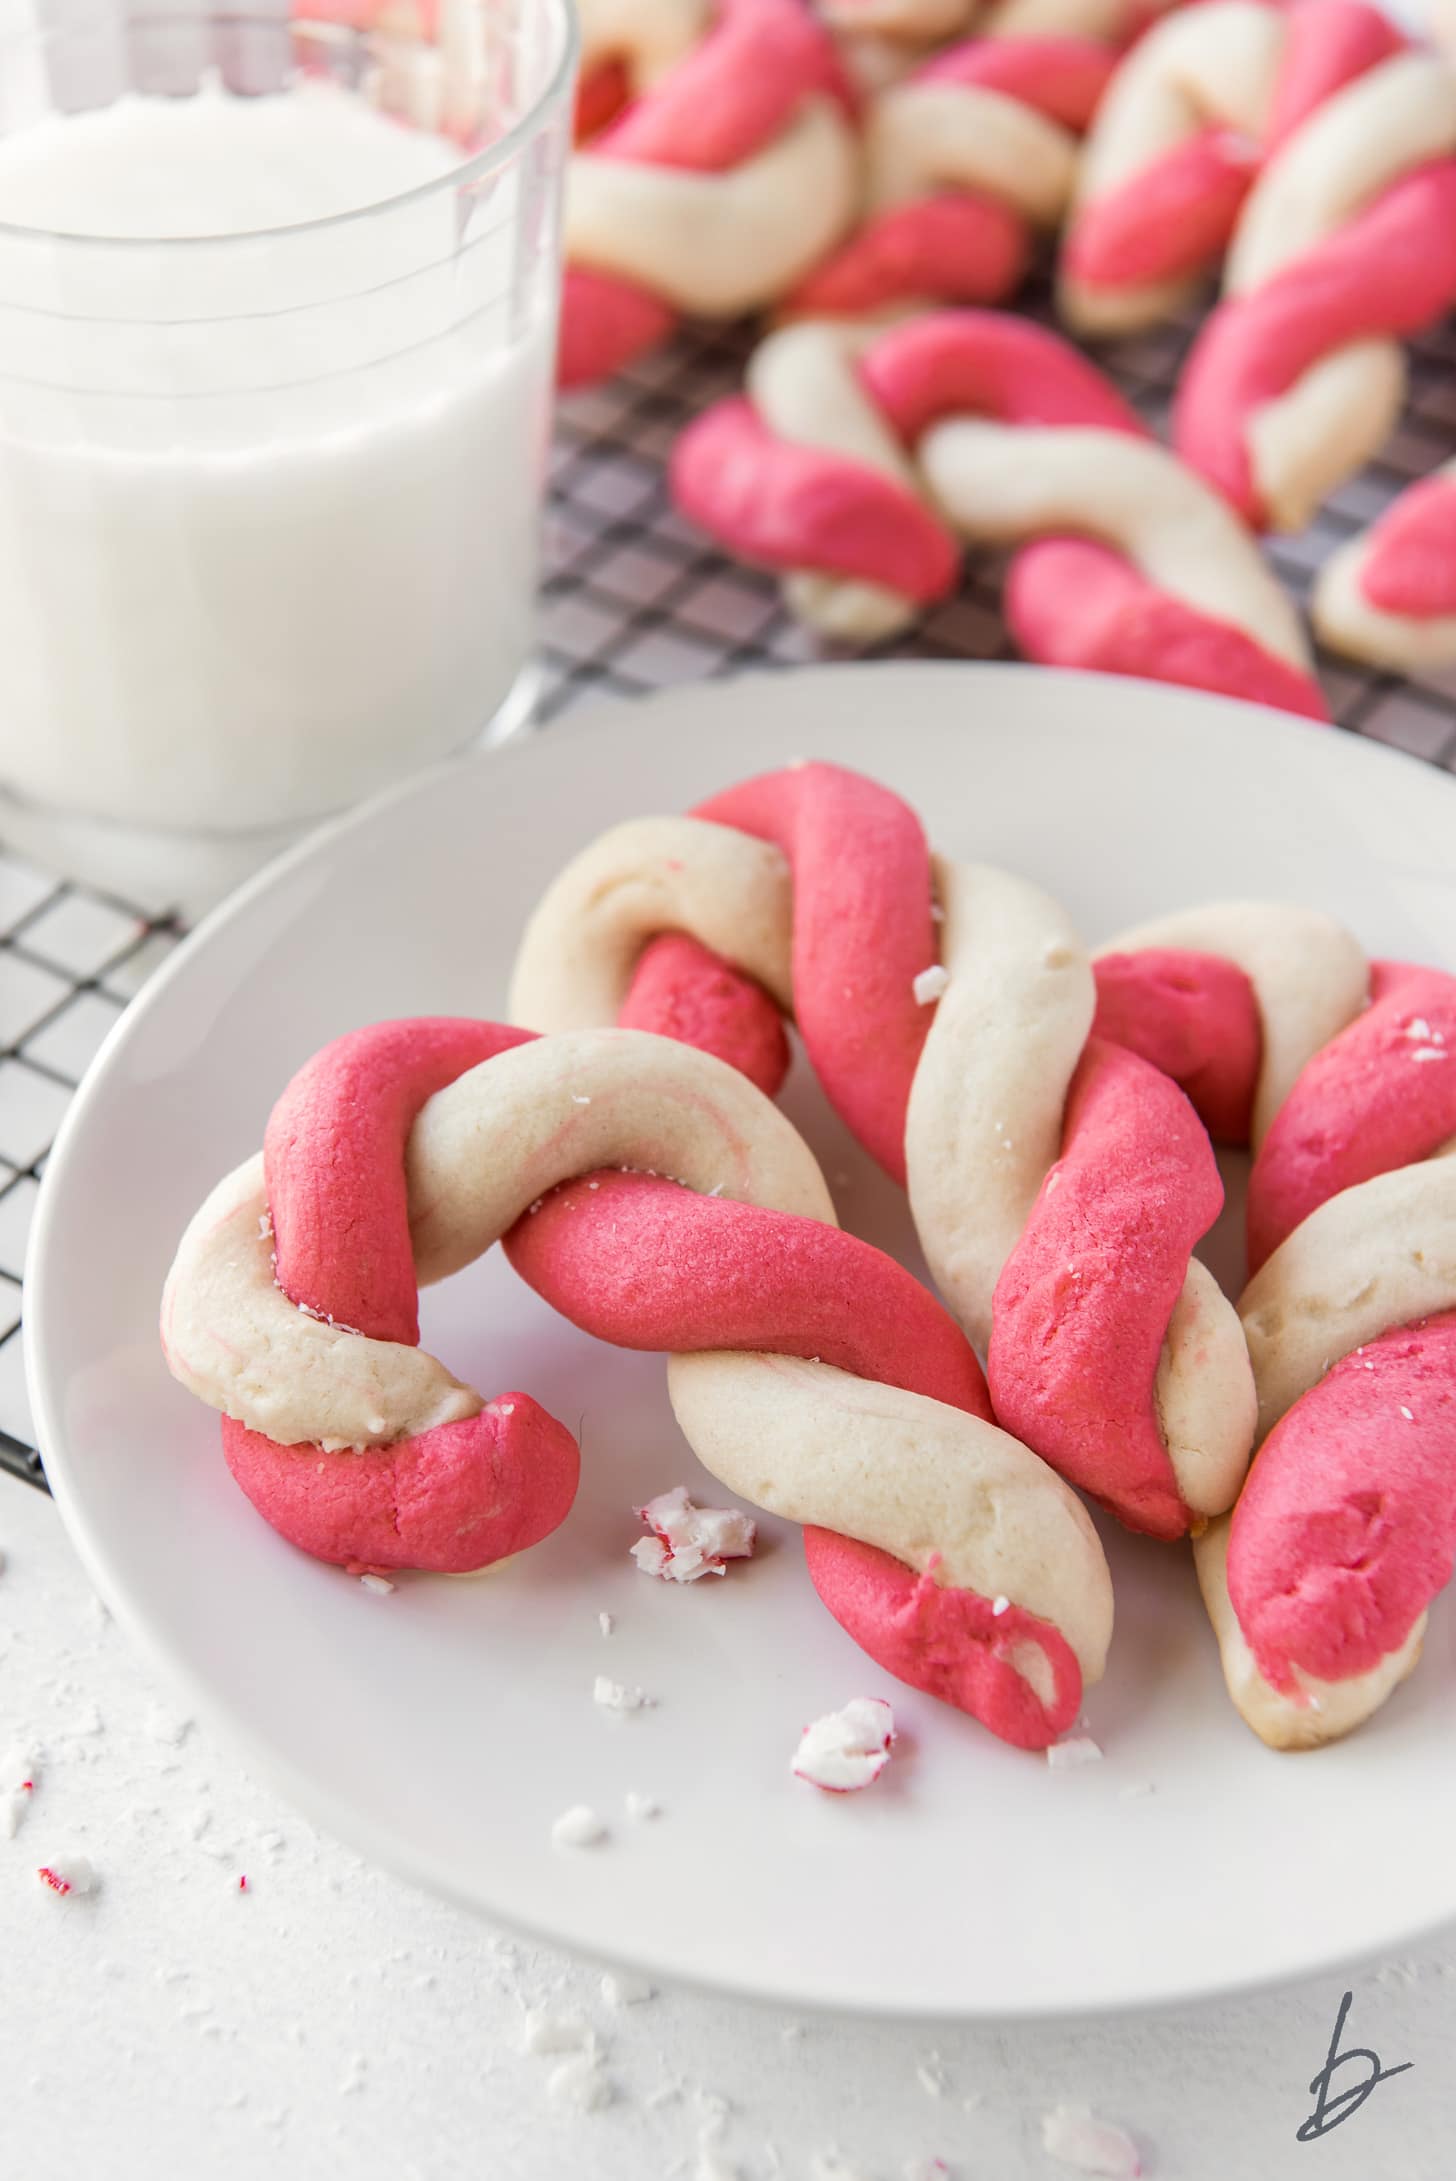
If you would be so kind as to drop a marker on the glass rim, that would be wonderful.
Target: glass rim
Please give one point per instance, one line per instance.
(494, 156)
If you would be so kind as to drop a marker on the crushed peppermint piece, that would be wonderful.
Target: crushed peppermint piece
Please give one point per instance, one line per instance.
(616, 1696)
(1078, 1749)
(606, 1622)
(578, 1827)
(583, 2082)
(930, 983)
(380, 1585)
(243, 1883)
(1073, 2134)
(642, 1807)
(846, 1750)
(1000, 1604)
(1405, 1412)
(69, 1874)
(1428, 1052)
(19, 1771)
(543, 2031)
(621, 1989)
(688, 1541)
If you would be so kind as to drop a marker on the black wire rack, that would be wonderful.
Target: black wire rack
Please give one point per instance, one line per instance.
(632, 600)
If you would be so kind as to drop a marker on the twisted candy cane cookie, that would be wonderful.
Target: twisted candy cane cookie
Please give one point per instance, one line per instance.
(883, 39)
(812, 1373)
(730, 171)
(965, 163)
(1343, 1075)
(1345, 247)
(854, 456)
(1058, 1184)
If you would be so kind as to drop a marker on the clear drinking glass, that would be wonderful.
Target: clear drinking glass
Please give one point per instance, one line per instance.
(270, 497)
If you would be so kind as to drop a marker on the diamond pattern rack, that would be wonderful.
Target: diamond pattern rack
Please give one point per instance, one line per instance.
(633, 600)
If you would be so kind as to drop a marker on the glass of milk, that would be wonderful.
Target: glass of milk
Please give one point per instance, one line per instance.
(277, 314)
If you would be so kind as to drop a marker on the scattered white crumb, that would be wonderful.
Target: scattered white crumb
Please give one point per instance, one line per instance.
(715, 2110)
(642, 1807)
(606, 1622)
(582, 2082)
(578, 1827)
(930, 2074)
(1136, 1790)
(1078, 1749)
(356, 2076)
(689, 1541)
(713, 2166)
(543, 2031)
(930, 983)
(69, 1874)
(166, 1726)
(380, 1585)
(1405, 1412)
(1074, 2135)
(616, 1696)
(580, 1099)
(1000, 1604)
(620, 1988)
(846, 1750)
(14, 1809)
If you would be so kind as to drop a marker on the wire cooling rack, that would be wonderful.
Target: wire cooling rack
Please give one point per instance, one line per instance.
(632, 600)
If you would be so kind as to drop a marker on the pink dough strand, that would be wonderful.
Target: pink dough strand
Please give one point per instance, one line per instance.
(1070, 602)
(1410, 554)
(1168, 221)
(1346, 1528)
(1084, 1300)
(1194, 1016)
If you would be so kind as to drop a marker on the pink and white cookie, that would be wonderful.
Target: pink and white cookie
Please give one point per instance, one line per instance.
(1009, 1129)
(966, 163)
(730, 169)
(810, 1372)
(1345, 247)
(856, 458)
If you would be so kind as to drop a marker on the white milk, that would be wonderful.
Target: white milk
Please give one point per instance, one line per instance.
(268, 507)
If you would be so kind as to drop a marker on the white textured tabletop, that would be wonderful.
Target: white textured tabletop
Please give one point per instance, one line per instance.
(326, 2019)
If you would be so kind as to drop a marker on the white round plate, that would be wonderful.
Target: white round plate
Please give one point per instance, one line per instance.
(442, 1728)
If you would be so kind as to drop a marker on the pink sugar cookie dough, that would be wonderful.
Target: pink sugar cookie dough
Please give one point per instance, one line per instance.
(863, 932)
(682, 990)
(953, 363)
(1194, 1016)
(452, 1498)
(1072, 603)
(1085, 1298)
(1380, 1095)
(1410, 554)
(1346, 1528)
(783, 505)
(644, 1264)
(1389, 273)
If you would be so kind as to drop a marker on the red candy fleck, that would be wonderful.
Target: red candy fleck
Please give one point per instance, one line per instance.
(53, 1879)
(243, 1884)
